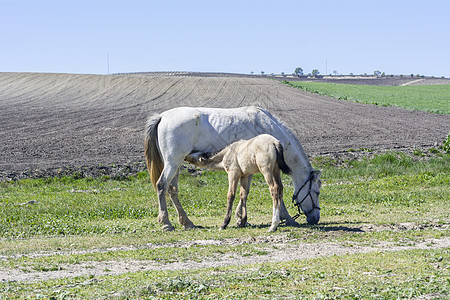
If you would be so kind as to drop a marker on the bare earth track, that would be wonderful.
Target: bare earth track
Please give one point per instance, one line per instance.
(278, 250)
(66, 121)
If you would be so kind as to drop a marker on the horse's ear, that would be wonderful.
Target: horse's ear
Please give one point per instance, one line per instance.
(316, 175)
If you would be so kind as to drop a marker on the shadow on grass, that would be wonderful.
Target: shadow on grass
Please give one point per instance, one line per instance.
(324, 227)
(327, 227)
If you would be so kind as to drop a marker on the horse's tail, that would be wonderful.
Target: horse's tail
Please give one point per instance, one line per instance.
(280, 159)
(155, 163)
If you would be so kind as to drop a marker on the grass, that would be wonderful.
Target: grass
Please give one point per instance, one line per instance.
(377, 275)
(68, 206)
(74, 215)
(430, 98)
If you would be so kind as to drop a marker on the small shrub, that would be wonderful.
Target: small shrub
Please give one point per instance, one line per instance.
(418, 152)
(446, 145)
(434, 151)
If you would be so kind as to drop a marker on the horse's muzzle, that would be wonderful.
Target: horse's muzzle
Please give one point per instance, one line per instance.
(313, 217)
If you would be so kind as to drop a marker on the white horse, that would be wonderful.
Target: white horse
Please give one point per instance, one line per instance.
(174, 134)
(261, 154)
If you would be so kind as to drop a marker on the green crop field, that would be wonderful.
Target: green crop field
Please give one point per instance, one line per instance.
(430, 98)
(50, 225)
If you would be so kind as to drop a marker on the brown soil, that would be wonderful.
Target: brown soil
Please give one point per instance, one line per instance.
(67, 121)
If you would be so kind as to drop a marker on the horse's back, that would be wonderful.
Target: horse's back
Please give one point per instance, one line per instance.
(208, 129)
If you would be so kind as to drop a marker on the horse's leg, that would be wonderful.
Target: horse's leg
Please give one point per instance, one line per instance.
(284, 215)
(241, 209)
(167, 175)
(163, 216)
(182, 216)
(232, 185)
(276, 191)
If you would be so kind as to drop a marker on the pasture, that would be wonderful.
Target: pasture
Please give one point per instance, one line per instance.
(430, 98)
(383, 233)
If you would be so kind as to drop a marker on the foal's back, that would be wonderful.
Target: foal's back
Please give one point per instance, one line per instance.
(252, 156)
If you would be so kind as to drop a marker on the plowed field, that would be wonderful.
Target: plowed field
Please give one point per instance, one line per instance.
(66, 120)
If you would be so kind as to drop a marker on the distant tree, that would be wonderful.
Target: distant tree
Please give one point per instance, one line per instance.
(298, 71)
(335, 72)
(282, 74)
(262, 73)
(376, 73)
(315, 72)
(351, 74)
(251, 72)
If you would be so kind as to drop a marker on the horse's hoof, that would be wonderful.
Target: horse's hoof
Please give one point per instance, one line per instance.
(292, 223)
(168, 227)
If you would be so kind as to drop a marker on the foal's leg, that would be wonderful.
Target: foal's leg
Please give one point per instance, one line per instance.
(276, 191)
(232, 185)
(241, 209)
(173, 192)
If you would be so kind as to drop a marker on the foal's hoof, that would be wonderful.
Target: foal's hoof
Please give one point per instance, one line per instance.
(168, 227)
(190, 227)
(272, 229)
(242, 225)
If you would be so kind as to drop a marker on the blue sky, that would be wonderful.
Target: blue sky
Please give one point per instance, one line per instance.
(394, 36)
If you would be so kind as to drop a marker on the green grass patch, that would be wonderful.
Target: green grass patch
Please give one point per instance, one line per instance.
(48, 224)
(377, 275)
(373, 190)
(430, 98)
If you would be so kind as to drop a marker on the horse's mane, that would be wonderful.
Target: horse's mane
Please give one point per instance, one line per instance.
(289, 132)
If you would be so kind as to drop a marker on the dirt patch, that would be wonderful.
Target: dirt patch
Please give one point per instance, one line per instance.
(82, 123)
(273, 252)
(275, 248)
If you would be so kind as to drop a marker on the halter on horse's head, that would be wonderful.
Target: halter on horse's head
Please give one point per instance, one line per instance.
(310, 208)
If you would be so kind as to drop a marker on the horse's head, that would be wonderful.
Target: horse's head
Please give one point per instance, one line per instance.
(307, 197)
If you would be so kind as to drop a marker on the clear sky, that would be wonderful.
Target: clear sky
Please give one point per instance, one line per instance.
(242, 36)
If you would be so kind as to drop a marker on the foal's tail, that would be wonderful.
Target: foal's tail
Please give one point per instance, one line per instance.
(280, 159)
(155, 163)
